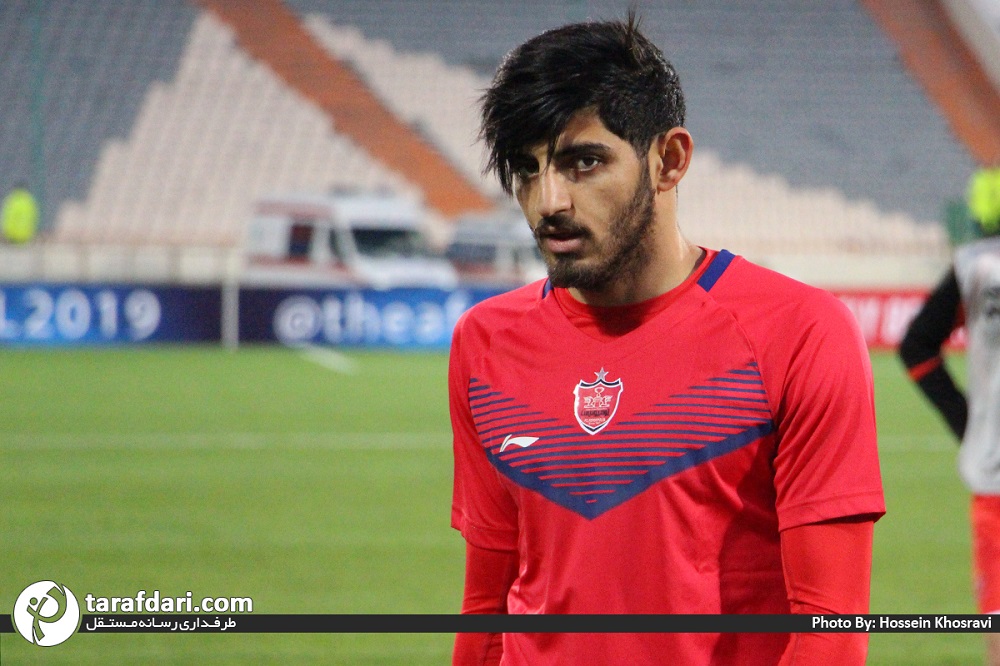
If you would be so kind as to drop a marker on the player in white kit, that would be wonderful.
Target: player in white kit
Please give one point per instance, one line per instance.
(969, 295)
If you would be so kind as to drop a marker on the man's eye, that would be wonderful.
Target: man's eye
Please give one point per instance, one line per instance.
(587, 163)
(524, 171)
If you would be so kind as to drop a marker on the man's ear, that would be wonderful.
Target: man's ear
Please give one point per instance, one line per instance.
(670, 156)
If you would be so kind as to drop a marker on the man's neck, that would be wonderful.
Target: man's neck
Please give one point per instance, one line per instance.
(662, 275)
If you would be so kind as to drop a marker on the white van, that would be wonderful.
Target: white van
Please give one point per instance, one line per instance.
(363, 239)
(495, 248)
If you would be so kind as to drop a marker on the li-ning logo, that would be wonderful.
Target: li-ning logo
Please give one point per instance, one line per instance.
(523, 442)
(595, 403)
(46, 613)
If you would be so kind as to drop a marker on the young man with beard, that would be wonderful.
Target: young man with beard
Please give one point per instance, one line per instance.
(658, 427)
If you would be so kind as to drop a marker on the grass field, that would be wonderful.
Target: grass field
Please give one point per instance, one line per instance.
(313, 485)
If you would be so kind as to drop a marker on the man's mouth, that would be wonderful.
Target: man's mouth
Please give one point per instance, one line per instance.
(561, 240)
(562, 243)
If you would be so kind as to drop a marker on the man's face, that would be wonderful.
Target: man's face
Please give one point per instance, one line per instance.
(589, 204)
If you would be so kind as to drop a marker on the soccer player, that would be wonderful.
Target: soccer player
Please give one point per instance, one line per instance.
(657, 427)
(969, 293)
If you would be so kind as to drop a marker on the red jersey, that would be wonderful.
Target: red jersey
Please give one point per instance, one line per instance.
(643, 459)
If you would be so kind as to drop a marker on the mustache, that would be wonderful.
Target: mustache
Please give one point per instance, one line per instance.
(560, 225)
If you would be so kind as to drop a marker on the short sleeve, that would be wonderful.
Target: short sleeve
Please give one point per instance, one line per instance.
(826, 464)
(483, 510)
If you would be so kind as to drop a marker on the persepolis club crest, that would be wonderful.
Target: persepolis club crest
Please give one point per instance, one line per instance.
(595, 403)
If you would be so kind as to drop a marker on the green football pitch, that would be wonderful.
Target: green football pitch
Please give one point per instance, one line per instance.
(313, 482)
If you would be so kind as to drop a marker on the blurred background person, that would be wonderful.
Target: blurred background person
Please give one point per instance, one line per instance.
(969, 294)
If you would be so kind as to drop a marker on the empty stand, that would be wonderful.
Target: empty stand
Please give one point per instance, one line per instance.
(223, 133)
(420, 88)
(152, 126)
(73, 76)
(723, 204)
(813, 92)
(935, 52)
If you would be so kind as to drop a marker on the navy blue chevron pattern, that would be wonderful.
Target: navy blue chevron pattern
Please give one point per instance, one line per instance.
(590, 474)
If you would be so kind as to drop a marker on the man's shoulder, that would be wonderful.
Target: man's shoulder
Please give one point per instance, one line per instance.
(753, 284)
(515, 300)
(788, 323)
(501, 309)
(773, 301)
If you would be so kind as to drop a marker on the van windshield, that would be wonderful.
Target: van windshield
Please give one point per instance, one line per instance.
(389, 242)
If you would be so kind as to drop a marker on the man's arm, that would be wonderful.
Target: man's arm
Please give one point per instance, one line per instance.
(482, 510)
(488, 577)
(920, 352)
(827, 570)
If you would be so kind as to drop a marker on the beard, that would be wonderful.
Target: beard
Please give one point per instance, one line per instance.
(621, 257)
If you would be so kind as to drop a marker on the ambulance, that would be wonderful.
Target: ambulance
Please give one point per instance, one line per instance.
(364, 239)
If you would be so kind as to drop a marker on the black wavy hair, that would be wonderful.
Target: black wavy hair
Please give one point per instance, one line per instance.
(608, 66)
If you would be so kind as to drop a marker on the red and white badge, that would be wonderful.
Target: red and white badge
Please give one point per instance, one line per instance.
(595, 403)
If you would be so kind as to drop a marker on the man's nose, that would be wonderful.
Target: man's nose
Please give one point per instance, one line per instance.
(553, 193)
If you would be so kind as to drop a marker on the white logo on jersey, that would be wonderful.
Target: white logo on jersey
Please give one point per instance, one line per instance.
(523, 442)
